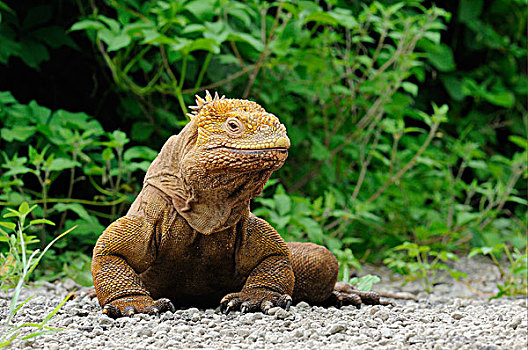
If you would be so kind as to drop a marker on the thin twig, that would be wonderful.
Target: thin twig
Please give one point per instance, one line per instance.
(220, 82)
(451, 210)
(264, 53)
(516, 173)
(407, 166)
(237, 54)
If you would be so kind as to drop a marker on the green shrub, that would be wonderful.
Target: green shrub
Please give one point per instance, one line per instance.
(46, 149)
(408, 121)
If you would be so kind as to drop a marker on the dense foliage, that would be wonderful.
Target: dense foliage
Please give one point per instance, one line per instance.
(408, 121)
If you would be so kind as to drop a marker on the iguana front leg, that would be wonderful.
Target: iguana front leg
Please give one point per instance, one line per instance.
(270, 281)
(124, 250)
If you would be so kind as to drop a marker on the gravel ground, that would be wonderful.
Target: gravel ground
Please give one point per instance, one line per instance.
(454, 316)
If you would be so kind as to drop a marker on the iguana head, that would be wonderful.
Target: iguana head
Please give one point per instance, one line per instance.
(219, 161)
(238, 135)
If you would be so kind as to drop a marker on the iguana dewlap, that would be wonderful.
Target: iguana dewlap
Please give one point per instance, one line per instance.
(189, 237)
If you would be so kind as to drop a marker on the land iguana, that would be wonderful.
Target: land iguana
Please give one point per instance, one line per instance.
(189, 238)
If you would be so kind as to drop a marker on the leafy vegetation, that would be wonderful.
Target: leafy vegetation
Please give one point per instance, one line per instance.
(408, 121)
(17, 266)
(514, 277)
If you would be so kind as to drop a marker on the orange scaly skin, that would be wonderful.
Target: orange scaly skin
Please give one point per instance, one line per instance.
(189, 238)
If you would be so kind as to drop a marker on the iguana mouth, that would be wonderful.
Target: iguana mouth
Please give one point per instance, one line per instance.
(280, 144)
(257, 151)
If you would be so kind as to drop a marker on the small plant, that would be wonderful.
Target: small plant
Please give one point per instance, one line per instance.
(514, 278)
(421, 262)
(17, 266)
(364, 283)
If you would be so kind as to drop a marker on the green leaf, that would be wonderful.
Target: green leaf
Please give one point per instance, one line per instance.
(33, 53)
(312, 229)
(321, 17)
(54, 37)
(410, 88)
(453, 87)
(478, 164)
(9, 225)
(118, 42)
(7, 98)
(59, 164)
(501, 98)
(248, 39)
(282, 203)
(365, 283)
(139, 152)
(319, 151)
(41, 221)
(39, 114)
(18, 133)
(87, 24)
(120, 138)
(23, 209)
(241, 15)
(108, 154)
(517, 200)
(440, 56)
(519, 141)
(206, 44)
(466, 217)
(202, 9)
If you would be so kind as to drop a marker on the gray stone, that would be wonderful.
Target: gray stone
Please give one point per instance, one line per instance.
(303, 305)
(243, 332)
(458, 315)
(281, 314)
(274, 310)
(144, 332)
(335, 328)
(385, 332)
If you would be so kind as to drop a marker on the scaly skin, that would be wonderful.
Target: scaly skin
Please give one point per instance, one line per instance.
(189, 237)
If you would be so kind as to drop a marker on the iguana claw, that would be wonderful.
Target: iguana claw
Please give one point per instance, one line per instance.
(288, 304)
(258, 299)
(131, 305)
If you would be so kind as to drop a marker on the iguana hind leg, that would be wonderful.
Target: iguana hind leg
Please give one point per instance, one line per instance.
(315, 269)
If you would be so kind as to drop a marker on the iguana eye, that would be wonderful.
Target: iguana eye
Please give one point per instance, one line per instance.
(233, 126)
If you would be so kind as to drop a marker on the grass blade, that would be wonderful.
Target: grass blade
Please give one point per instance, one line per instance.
(55, 310)
(49, 246)
(22, 304)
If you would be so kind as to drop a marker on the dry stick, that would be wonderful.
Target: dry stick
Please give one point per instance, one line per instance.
(394, 150)
(361, 124)
(131, 11)
(350, 138)
(372, 113)
(220, 82)
(265, 52)
(363, 172)
(237, 54)
(364, 166)
(166, 65)
(398, 295)
(70, 191)
(516, 173)
(407, 166)
(451, 210)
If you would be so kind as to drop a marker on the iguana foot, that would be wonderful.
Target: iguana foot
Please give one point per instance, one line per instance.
(345, 294)
(254, 300)
(130, 305)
